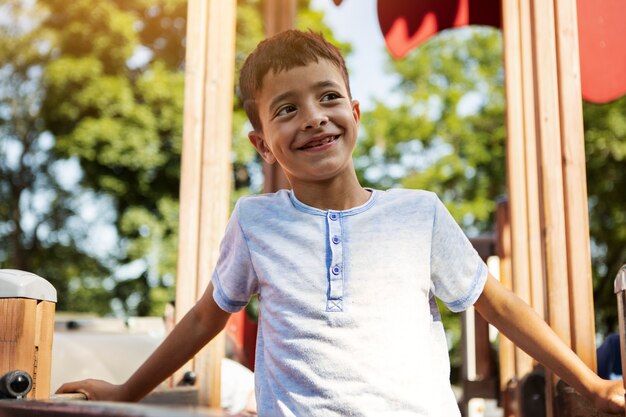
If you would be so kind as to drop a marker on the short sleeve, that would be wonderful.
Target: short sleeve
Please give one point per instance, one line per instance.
(458, 273)
(234, 279)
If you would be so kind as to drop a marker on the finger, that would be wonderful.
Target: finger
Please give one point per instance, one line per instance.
(70, 387)
(67, 387)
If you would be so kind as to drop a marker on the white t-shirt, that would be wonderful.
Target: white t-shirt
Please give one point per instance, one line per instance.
(348, 325)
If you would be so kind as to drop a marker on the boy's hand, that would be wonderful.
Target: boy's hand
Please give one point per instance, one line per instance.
(609, 396)
(94, 390)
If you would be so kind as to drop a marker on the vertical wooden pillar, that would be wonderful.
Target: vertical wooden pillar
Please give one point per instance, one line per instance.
(535, 257)
(575, 184)
(206, 171)
(506, 351)
(516, 164)
(552, 204)
(279, 15)
(26, 328)
(546, 172)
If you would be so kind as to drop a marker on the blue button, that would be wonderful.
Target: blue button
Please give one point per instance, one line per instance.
(333, 216)
(336, 239)
(336, 270)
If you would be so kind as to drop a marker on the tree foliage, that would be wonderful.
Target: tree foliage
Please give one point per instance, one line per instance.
(114, 101)
(42, 228)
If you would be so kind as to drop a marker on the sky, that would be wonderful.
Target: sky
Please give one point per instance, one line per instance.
(356, 22)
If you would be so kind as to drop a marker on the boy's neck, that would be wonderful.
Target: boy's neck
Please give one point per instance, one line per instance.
(334, 194)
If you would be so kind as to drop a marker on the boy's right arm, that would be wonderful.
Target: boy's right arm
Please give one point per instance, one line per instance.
(201, 324)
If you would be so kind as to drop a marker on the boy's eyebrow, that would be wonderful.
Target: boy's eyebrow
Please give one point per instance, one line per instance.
(318, 85)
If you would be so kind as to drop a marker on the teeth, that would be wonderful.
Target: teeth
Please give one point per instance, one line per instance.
(320, 143)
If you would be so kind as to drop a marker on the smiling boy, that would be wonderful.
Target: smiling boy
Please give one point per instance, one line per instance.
(346, 276)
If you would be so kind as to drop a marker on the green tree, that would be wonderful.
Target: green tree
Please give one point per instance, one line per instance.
(41, 224)
(113, 101)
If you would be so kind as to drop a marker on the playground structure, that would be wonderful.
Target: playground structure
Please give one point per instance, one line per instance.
(547, 252)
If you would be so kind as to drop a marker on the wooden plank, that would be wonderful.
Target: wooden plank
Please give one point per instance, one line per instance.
(278, 15)
(506, 349)
(485, 367)
(191, 159)
(216, 175)
(17, 335)
(206, 172)
(575, 183)
(551, 175)
(535, 251)
(550, 178)
(191, 163)
(100, 408)
(516, 166)
(44, 330)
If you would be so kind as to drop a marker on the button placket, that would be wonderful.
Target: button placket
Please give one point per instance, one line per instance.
(335, 273)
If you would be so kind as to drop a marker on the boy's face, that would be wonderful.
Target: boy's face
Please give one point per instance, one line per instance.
(309, 124)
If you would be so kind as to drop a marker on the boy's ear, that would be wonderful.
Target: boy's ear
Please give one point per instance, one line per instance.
(356, 111)
(258, 141)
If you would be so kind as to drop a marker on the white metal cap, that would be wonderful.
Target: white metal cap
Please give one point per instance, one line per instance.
(21, 284)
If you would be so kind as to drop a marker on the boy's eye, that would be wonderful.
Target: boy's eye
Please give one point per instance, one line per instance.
(330, 96)
(285, 110)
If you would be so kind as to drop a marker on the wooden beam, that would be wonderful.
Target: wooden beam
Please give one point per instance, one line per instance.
(575, 183)
(550, 172)
(17, 335)
(205, 172)
(506, 351)
(279, 15)
(551, 192)
(546, 171)
(534, 235)
(26, 329)
(516, 164)
(44, 330)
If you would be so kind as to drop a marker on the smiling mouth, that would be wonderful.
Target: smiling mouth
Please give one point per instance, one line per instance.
(318, 143)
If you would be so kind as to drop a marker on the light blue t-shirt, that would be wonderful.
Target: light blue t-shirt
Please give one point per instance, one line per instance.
(348, 323)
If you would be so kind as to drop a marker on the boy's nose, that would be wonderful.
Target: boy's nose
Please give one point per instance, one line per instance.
(315, 118)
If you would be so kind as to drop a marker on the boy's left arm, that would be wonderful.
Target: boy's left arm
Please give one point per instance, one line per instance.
(519, 322)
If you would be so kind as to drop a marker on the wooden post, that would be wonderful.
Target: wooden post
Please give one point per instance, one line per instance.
(549, 223)
(279, 15)
(206, 172)
(506, 351)
(516, 164)
(27, 304)
(535, 252)
(575, 184)
(44, 330)
(550, 172)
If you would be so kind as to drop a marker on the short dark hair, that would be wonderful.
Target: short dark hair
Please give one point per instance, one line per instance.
(281, 52)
